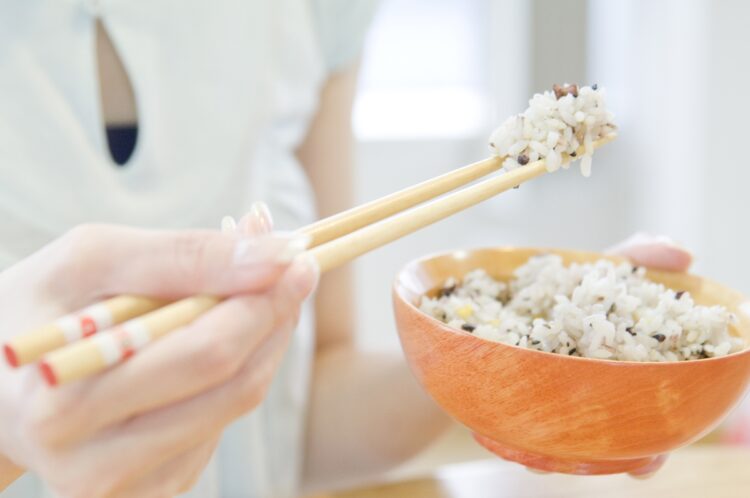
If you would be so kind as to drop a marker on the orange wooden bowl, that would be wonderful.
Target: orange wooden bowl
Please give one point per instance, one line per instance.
(560, 413)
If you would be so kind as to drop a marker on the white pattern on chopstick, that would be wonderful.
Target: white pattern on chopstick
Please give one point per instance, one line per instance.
(29, 347)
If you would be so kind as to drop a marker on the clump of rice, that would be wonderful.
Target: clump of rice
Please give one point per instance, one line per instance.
(594, 310)
(556, 123)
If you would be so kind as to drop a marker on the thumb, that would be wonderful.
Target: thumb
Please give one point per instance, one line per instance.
(105, 260)
(657, 252)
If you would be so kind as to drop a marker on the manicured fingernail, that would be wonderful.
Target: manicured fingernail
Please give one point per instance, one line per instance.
(305, 274)
(647, 239)
(668, 241)
(262, 215)
(228, 225)
(278, 247)
(257, 221)
(665, 242)
(537, 471)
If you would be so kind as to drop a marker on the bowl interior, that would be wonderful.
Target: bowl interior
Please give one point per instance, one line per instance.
(425, 275)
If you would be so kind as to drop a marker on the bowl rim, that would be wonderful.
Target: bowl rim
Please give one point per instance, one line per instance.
(444, 328)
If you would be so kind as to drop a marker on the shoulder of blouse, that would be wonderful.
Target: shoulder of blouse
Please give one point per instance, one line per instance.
(342, 26)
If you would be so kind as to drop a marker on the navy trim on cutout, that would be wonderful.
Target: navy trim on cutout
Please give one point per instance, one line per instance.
(121, 141)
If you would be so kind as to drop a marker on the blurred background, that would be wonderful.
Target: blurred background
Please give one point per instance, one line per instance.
(439, 75)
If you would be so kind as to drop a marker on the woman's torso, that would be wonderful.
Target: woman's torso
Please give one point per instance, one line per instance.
(223, 92)
(214, 82)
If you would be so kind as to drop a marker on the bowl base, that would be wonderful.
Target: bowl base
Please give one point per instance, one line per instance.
(637, 467)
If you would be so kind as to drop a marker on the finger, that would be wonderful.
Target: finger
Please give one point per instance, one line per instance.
(537, 471)
(148, 441)
(656, 252)
(228, 225)
(176, 476)
(649, 470)
(186, 362)
(257, 222)
(116, 260)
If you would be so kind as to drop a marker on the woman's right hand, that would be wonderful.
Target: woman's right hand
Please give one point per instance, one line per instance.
(148, 426)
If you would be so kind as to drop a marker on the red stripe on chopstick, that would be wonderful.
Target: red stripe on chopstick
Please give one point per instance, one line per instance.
(88, 325)
(48, 373)
(10, 356)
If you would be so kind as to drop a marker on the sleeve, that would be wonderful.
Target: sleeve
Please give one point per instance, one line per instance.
(342, 26)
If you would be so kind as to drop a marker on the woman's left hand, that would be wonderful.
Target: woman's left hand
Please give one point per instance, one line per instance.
(660, 253)
(654, 251)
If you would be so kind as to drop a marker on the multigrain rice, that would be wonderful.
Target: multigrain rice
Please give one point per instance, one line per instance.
(594, 310)
(554, 126)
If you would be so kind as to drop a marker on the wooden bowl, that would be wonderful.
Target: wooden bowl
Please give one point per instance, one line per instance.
(560, 413)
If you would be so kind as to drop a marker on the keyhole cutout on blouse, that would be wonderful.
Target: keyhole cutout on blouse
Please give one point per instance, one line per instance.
(118, 106)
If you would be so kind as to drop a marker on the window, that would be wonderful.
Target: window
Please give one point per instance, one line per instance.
(424, 79)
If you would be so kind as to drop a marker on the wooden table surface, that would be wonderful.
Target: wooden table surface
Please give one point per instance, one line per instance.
(695, 472)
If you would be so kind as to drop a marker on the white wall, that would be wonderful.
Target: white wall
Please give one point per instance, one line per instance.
(676, 74)
(677, 68)
(726, 161)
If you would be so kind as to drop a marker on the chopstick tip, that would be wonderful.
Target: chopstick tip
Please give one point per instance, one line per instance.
(10, 355)
(47, 373)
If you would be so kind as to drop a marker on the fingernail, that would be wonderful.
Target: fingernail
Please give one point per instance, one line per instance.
(262, 214)
(647, 239)
(305, 274)
(668, 241)
(228, 225)
(537, 471)
(643, 477)
(257, 221)
(278, 247)
(664, 241)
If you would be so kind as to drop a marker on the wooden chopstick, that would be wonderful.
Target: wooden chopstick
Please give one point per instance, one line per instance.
(29, 347)
(353, 219)
(32, 345)
(352, 245)
(90, 356)
(87, 357)
(348, 247)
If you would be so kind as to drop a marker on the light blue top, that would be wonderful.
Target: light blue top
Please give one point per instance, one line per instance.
(225, 92)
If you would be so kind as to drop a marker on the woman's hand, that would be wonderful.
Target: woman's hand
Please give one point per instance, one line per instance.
(661, 253)
(148, 427)
(654, 251)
